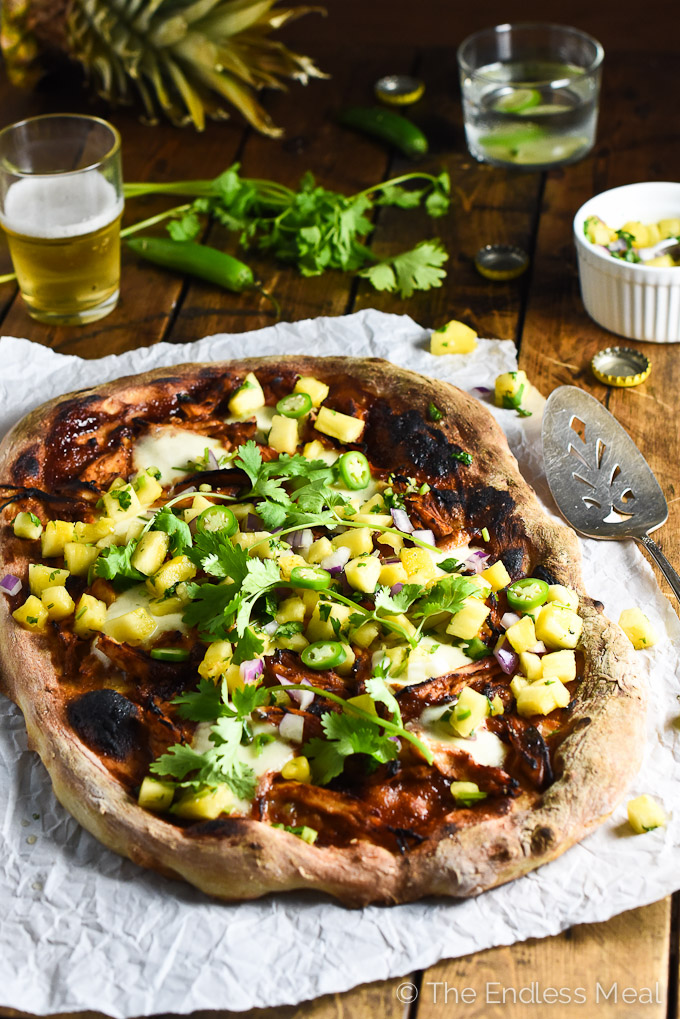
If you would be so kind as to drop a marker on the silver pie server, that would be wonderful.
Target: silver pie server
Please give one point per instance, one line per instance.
(598, 477)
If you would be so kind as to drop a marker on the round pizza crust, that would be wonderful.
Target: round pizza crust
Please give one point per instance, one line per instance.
(238, 858)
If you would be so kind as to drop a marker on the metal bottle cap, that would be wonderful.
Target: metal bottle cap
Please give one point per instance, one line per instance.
(399, 89)
(501, 261)
(620, 366)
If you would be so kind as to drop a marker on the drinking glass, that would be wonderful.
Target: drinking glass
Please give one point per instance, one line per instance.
(530, 94)
(61, 202)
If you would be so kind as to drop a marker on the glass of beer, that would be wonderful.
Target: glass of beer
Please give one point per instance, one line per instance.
(61, 202)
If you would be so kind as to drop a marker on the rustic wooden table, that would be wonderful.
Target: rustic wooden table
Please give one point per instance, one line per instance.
(638, 140)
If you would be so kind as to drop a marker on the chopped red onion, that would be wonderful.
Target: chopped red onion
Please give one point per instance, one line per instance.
(539, 648)
(395, 589)
(303, 698)
(476, 561)
(10, 585)
(336, 561)
(270, 628)
(509, 619)
(212, 461)
(251, 670)
(426, 536)
(481, 389)
(507, 659)
(301, 539)
(401, 521)
(292, 727)
(391, 560)
(252, 523)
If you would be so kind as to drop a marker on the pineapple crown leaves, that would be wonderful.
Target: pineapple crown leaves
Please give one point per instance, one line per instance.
(186, 58)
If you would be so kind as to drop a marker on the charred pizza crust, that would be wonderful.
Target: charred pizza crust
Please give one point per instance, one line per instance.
(54, 448)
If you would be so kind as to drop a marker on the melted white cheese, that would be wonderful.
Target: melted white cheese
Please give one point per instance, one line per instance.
(483, 746)
(170, 449)
(272, 757)
(428, 660)
(138, 597)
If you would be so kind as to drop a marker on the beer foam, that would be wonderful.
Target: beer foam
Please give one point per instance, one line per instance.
(67, 205)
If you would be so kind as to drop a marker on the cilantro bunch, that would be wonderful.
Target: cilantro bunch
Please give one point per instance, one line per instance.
(313, 228)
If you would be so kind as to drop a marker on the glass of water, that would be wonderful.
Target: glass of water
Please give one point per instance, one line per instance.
(530, 94)
(61, 202)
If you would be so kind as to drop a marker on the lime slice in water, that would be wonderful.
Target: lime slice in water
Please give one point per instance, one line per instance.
(543, 151)
(512, 137)
(544, 110)
(518, 100)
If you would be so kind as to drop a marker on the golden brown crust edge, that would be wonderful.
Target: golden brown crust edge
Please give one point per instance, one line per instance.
(241, 859)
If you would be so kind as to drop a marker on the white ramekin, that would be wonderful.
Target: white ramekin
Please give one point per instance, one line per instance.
(636, 301)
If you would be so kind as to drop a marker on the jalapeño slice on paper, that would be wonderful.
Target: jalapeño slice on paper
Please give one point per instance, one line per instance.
(527, 594)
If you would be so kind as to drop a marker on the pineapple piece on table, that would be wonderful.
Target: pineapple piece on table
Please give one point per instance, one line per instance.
(645, 814)
(453, 338)
(637, 628)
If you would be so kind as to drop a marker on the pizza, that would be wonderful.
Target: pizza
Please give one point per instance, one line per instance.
(295, 622)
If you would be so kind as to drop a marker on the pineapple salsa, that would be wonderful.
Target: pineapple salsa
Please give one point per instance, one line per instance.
(297, 548)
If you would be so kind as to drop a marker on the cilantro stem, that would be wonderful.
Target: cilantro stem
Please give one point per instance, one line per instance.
(395, 180)
(152, 220)
(353, 709)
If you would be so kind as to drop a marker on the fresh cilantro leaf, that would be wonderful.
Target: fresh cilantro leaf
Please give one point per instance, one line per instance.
(178, 530)
(178, 762)
(402, 198)
(346, 736)
(378, 690)
(417, 269)
(447, 595)
(204, 704)
(463, 457)
(524, 413)
(212, 609)
(400, 602)
(186, 228)
(115, 561)
(438, 201)
(250, 697)
(289, 629)
(123, 497)
(216, 555)
(249, 459)
(434, 413)
(449, 565)
(247, 647)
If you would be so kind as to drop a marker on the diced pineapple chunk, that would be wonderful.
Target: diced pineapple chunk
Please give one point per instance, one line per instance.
(58, 602)
(397, 658)
(563, 596)
(404, 622)
(453, 338)
(483, 586)
(166, 606)
(392, 573)
(637, 628)
(320, 626)
(316, 390)
(216, 660)
(497, 576)
(27, 525)
(283, 436)
(155, 795)
(248, 397)
(365, 634)
(522, 635)
(55, 536)
(638, 231)
(509, 388)
(263, 545)
(297, 770)
(289, 562)
(531, 666)
(517, 684)
(198, 504)
(542, 697)
(645, 814)
(471, 708)
(314, 449)
(94, 531)
(241, 510)
(597, 231)
(418, 560)
(357, 539)
(121, 502)
(558, 627)
(131, 627)
(669, 228)
(365, 702)
(559, 665)
(147, 487)
(291, 610)
(468, 621)
(90, 616)
(32, 615)
(318, 550)
(497, 706)
(661, 262)
(394, 541)
(206, 804)
(79, 557)
(339, 426)
(171, 573)
(376, 502)
(347, 664)
(151, 551)
(363, 573)
(40, 577)
(373, 519)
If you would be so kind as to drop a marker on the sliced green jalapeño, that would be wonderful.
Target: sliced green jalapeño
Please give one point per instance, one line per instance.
(311, 577)
(324, 654)
(217, 518)
(169, 654)
(354, 470)
(296, 405)
(527, 594)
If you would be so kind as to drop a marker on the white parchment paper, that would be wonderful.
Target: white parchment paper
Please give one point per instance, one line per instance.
(84, 929)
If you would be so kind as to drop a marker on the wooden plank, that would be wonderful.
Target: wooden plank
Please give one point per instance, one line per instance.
(490, 206)
(314, 142)
(615, 970)
(377, 999)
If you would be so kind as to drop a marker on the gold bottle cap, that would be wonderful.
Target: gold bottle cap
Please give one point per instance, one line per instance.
(399, 89)
(620, 366)
(501, 261)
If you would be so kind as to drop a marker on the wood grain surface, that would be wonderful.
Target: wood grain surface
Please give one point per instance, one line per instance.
(638, 139)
